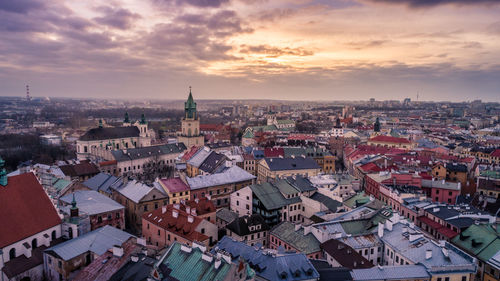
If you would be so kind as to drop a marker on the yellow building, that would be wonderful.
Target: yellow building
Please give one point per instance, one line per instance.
(176, 190)
(274, 168)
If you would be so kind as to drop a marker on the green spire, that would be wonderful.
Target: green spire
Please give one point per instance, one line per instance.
(73, 202)
(127, 119)
(190, 107)
(100, 123)
(3, 173)
(143, 119)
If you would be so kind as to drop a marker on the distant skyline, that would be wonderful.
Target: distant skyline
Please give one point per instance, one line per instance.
(252, 49)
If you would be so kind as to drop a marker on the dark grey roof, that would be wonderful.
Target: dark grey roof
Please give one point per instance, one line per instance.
(297, 163)
(144, 152)
(110, 133)
(454, 167)
(213, 161)
(301, 183)
(135, 271)
(101, 182)
(328, 273)
(331, 204)
(241, 225)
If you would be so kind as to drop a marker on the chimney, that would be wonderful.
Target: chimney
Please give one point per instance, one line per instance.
(190, 219)
(196, 200)
(217, 263)
(388, 225)
(134, 258)
(175, 213)
(117, 251)
(193, 212)
(428, 254)
(141, 241)
(163, 209)
(188, 209)
(177, 206)
(380, 229)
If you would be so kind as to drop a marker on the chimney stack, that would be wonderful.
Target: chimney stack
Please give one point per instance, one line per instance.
(117, 251)
(163, 209)
(175, 213)
(190, 219)
(380, 229)
(428, 254)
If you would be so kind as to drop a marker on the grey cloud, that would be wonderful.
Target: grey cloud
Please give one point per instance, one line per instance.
(20, 6)
(195, 3)
(116, 17)
(433, 3)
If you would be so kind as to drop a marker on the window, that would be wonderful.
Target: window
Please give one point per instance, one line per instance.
(168, 237)
(110, 217)
(464, 278)
(447, 279)
(237, 203)
(145, 208)
(99, 219)
(117, 215)
(59, 264)
(439, 279)
(371, 251)
(54, 234)
(12, 253)
(158, 232)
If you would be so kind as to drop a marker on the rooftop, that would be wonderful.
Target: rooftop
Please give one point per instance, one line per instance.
(232, 175)
(287, 232)
(97, 242)
(297, 163)
(91, 202)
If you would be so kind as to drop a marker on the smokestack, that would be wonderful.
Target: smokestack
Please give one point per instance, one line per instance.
(117, 251)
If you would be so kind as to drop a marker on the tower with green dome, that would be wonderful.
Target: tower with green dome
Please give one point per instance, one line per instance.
(190, 125)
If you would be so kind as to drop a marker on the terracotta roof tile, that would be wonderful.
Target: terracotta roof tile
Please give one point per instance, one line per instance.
(25, 209)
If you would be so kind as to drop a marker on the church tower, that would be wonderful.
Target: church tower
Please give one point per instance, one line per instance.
(190, 125)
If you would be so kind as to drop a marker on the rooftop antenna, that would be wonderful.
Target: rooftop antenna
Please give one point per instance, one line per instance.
(28, 98)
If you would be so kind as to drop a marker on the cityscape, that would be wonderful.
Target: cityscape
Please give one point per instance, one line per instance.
(301, 140)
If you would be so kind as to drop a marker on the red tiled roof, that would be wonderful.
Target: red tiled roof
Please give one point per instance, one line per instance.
(429, 222)
(495, 153)
(179, 226)
(174, 185)
(190, 153)
(25, 209)
(81, 169)
(389, 139)
(202, 206)
(447, 232)
(107, 163)
(274, 152)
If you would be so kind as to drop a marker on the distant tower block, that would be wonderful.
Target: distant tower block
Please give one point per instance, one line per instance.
(28, 97)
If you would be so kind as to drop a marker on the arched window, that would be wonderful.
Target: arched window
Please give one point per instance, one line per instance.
(12, 253)
(54, 235)
(189, 132)
(34, 243)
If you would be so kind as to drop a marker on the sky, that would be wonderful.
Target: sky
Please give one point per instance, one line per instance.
(252, 49)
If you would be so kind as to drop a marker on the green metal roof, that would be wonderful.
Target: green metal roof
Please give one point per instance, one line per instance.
(490, 174)
(306, 244)
(286, 188)
(269, 195)
(191, 267)
(249, 134)
(362, 226)
(358, 199)
(60, 184)
(482, 241)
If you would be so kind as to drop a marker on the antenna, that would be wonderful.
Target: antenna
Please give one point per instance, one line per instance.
(28, 98)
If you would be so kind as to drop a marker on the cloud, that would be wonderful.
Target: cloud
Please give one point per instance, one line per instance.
(119, 18)
(273, 52)
(20, 6)
(360, 45)
(195, 3)
(433, 3)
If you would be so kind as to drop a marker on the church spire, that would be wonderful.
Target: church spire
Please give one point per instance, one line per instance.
(376, 126)
(190, 107)
(143, 119)
(127, 119)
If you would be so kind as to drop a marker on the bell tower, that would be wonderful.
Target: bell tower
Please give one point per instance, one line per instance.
(190, 124)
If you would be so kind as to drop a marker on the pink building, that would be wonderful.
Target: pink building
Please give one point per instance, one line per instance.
(441, 191)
